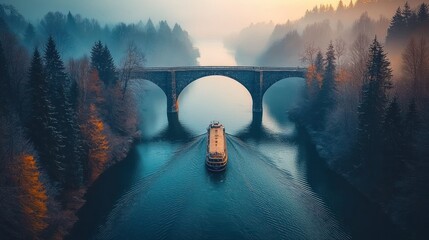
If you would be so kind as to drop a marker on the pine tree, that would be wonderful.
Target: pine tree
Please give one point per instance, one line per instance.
(4, 83)
(406, 14)
(340, 6)
(423, 13)
(55, 76)
(371, 109)
(393, 130)
(97, 57)
(327, 94)
(393, 142)
(63, 126)
(350, 4)
(108, 73)
(397, 27)
(412, 126)
(102, 61)
(30, 36)
(38, 92)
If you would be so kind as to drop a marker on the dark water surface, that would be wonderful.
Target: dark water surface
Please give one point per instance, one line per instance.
(274, 187)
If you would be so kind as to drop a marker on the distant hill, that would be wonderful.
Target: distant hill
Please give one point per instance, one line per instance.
(283, 45)
(75, 35)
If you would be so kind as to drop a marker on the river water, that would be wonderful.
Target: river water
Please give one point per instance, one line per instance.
(275, 186)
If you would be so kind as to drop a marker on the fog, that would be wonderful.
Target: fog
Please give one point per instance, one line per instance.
(283, 43)
(203, 19)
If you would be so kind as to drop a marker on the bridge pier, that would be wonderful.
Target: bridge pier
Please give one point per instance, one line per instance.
(172, 104)
(257, 92)
(172, 80)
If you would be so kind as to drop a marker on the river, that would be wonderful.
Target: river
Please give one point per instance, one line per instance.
(275, 186)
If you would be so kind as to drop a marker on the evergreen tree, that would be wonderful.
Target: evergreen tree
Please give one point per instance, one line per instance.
(316, 77)
(63, 127)
(54, 72)
(102, 61)
(371, 109)
(407, 13)
(319, 63)
(397, 26)
(340, 6)
(393, 143)
(30, 36)
(412, 126)
(423, 13)
(4, 83)
(108, 73)
(327, 94)
(38, 92)
(97, 57)
(393, 130)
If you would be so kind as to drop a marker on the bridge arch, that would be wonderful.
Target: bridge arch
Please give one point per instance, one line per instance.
(186, 80)
(255, 79)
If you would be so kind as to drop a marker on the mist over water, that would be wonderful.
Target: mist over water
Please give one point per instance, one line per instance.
(274, 187)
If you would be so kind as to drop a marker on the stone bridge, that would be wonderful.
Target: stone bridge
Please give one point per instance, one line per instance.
(172, 80)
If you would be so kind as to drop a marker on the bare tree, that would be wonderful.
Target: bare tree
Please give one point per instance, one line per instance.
(358, 59)
(309, 54)
(79, 71)
(415, 61)
(134, 59)
(340, 51)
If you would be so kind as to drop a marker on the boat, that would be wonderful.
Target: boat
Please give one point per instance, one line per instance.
(217, 154)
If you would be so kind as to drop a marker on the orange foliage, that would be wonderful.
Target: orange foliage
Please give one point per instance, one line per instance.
(95, 87)
(342, 76)
(33, 197)
(312, 75)
(98, 144)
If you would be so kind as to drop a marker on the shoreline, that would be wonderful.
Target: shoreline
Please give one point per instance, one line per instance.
(73, 200)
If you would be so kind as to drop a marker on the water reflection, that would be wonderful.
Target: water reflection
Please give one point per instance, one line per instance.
(174, 130)
(275, 186)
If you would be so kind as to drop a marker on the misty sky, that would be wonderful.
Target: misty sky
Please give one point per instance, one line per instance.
(204, 19)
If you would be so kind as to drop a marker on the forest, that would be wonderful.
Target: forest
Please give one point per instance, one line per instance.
(64, 122)
(369, 116)
(75, 34)
(366, 97)
(269, 44)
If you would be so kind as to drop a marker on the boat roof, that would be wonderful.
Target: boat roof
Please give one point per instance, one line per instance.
(217, 141)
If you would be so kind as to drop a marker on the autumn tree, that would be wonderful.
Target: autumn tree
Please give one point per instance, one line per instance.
(32, 197)
(98, 144)
(23, 195)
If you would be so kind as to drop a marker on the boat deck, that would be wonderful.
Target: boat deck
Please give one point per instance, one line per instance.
(217, 141)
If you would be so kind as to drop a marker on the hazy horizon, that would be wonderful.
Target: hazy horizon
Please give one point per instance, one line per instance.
(205, 20)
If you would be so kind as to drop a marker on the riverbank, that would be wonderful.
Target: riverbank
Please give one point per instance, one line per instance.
(73, 200)
(353, 175)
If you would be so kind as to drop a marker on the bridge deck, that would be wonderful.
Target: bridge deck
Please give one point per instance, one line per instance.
(217, 68)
